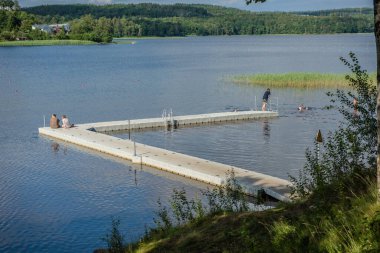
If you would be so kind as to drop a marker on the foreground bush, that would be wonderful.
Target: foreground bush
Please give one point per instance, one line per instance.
(350, 152)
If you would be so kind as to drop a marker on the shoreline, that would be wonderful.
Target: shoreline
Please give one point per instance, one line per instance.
(133, 39)
(30, 43)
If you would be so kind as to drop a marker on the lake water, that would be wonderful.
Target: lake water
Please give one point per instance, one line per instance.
(56, 197)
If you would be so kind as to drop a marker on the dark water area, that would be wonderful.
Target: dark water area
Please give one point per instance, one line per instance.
(56, 197)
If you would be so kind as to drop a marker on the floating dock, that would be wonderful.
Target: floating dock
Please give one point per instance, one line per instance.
(91, 136)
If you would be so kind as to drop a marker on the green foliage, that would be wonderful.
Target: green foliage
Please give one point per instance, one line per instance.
(226, 198)
(349, 154)
(372, 235)
(229, 198)
(349, 226)
(163, 221)
(9, 5)
(182, 208)
(362, 123)
(297, 80)
(17, 24)
(115, 240)
(338, 12)
(88, 28)
(187, 19)
(281, 232)
(148, 10)
(102, 23)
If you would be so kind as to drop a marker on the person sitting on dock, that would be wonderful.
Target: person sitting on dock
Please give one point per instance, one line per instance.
(54, 121)
(66, 122)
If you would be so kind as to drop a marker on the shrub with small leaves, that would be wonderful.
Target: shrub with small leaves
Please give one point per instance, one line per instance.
(350, 152)
(115, 240)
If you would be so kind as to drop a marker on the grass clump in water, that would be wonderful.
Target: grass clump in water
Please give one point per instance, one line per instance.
(296, 80)
(45, 43)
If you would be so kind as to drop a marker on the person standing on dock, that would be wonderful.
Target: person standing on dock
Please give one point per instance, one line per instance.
(265, 100)
(54, 122)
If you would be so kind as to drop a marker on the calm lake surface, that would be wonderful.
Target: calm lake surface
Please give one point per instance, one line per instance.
(56, 197)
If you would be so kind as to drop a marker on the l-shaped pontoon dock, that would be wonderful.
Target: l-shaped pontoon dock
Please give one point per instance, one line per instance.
(91, 136)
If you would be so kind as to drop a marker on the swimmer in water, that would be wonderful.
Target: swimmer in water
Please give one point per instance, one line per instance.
(302, 108)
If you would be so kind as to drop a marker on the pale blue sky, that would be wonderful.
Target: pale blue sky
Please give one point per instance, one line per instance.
(270, 5)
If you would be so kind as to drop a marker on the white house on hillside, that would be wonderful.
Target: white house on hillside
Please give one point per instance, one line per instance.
(51, 29)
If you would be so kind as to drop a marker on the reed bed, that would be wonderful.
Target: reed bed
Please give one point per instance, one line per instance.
(45, 43)
(297, 80)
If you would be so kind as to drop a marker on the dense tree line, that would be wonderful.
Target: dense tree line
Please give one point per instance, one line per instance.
(338, 12)
(102, 23)
(18, 24)
(186, 19)
(9, 5)
(120, 10)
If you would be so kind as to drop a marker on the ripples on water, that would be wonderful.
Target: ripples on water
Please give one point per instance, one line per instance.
(57, 197)
(273, 146)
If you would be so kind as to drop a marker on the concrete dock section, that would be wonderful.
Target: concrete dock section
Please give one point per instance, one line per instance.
(178, 120)
(192, 167)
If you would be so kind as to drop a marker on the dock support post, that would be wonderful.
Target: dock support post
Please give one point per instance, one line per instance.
(270, 104)
(134, 148)
(44, 121)
(277, 105)
(129, 129)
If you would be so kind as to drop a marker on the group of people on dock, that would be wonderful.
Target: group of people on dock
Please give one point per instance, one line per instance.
(54, 122)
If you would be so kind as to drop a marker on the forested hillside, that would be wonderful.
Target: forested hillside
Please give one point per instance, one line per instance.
(185, 19)
(338, 12)
(120, 10)
(101, 23)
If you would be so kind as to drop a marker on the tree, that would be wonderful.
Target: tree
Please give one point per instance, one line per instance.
(9, 5)
(376, 14)
(103, 30)
(376, 4)
(348, 155)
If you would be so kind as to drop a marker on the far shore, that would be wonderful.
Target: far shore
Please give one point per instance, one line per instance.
(46, 43)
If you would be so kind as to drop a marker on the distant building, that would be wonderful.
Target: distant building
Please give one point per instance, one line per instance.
(51, 29)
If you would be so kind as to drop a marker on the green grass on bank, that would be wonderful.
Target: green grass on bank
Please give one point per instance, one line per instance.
(45, 43)
(346, 225)
(296, 80)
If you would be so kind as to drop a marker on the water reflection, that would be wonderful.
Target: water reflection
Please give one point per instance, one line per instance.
(266, 131)
(55, 147)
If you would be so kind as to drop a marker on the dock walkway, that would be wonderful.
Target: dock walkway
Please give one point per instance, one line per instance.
(192, 167)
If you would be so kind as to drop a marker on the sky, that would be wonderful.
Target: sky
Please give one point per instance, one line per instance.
(270, 5)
